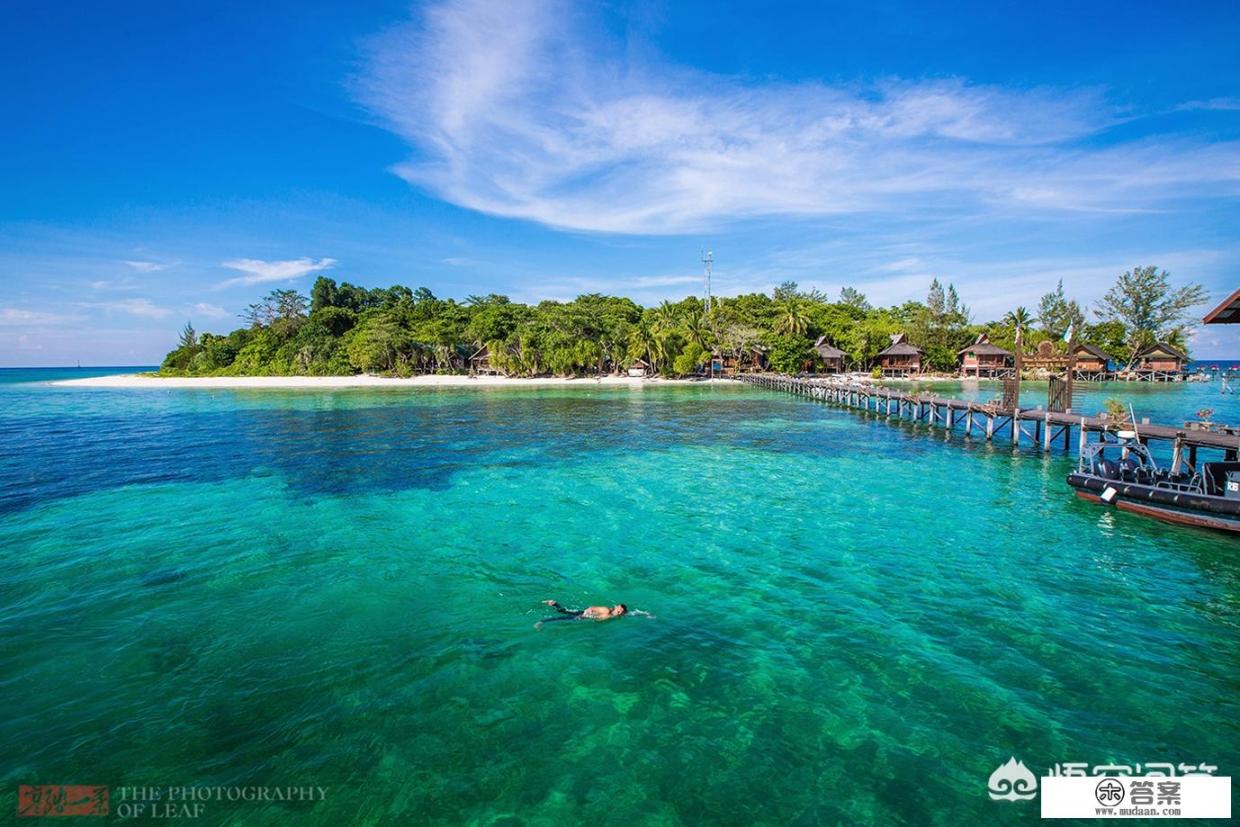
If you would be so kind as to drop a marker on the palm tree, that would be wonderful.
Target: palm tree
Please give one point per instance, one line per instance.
(666, 318)
(696, 329)
(791, 320)
(1019, 318)
(643, 342)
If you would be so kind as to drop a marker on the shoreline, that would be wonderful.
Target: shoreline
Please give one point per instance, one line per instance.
(136, 380)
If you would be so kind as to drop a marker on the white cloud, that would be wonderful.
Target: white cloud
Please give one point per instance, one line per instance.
(514, 113)
(146, 266)
(211, 311)
(258, 271)
(18, 317)
(1213, 104)
(134, 307)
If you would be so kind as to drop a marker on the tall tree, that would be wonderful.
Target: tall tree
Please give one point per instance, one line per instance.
(1057, 314)
(1144, 301)
(288, 304)
(323, 294)
(854, 298)
(189, 337)
(936, 301)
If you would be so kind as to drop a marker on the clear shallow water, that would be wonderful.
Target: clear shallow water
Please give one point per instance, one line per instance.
(856, 623)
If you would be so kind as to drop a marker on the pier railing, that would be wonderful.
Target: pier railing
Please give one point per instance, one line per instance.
(1034, 427)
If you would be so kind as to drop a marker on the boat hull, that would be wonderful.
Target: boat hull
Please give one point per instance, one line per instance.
(1180, 508)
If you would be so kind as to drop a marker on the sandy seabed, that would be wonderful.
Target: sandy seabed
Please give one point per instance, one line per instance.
(137, 380)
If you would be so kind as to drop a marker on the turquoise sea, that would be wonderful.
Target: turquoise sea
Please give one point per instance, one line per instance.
(856, 623)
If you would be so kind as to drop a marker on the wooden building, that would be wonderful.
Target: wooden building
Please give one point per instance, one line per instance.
(480, 361)
(1228, 312)
(1160, 360)
(832, 357)
(727, 364)
(1093, 364)
(639, 368)
(983, 359)
(900, 358)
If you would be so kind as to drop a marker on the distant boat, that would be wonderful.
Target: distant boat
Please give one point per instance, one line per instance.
(1122, 474)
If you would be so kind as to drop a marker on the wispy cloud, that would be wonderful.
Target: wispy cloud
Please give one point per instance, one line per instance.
(258, 271)
(146, 266)
(19, 317)
(1212, 105)
(211, 311)
(648, 289)
(144, 308)
(514, 112)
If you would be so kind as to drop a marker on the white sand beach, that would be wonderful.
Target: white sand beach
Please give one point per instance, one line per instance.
(136, 380)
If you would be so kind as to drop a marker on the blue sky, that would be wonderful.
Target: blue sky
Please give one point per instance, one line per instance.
(167, 162)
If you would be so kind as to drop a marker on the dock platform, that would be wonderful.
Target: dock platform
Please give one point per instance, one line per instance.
(1037, 428)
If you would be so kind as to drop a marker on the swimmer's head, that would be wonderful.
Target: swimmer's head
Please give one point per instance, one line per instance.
(619, 609)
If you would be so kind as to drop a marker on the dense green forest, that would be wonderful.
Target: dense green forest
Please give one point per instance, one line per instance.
(345, 329)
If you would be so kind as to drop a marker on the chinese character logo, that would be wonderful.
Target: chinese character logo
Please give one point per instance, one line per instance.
(1109, 792)
(1013, 782)
(61, 800)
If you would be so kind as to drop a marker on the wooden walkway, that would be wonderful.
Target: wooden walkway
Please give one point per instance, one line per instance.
(1044, 430)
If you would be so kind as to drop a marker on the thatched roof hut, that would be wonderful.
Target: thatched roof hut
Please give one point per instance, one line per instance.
(1161, 358)
(983, 358)
(832, 357)
(900, 358)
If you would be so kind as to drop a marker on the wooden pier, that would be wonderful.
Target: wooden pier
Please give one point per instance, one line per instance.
(1040, 429)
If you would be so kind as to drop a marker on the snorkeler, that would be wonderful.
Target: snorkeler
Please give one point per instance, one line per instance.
(599, 613)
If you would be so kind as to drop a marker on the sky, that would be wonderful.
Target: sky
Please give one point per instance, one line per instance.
(171, 162)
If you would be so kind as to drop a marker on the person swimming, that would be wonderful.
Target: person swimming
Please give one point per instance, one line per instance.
(599, 613)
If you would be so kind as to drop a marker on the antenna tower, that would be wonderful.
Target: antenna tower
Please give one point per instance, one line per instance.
(708, 259)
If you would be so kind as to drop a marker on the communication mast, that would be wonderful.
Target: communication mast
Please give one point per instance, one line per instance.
(708, 259)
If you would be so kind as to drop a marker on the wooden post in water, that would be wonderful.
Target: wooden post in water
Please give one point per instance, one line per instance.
(1016, 426)
(990, 426)
(1046, 434)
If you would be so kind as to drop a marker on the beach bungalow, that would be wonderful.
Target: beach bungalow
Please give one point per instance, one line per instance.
(727, 364)
(900, 358)
(1092, 363)
(639, 368)
(983, 359)
(480, 361)
(1160, 361)
(832, 357)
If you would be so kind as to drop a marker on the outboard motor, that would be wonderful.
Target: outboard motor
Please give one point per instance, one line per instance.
(1107, 469)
